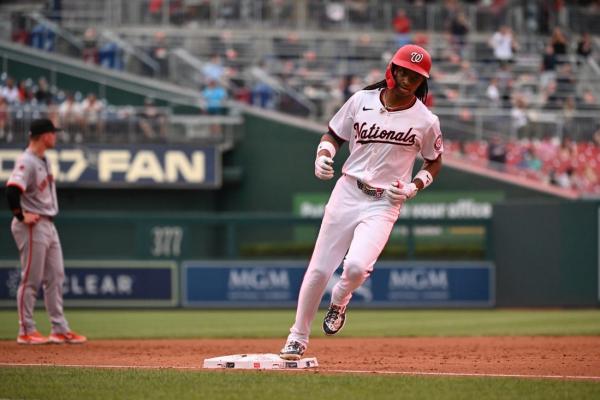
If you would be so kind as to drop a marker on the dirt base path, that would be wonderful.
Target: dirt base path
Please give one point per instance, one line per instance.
(577, 357)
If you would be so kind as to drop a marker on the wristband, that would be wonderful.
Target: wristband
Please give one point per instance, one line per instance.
(326, 145)
(425, 177)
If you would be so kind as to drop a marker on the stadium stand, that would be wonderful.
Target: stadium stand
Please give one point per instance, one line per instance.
(306, 58)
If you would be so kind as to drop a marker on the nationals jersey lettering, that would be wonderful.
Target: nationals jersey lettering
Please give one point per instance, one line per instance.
(384, 144)
(374, 135)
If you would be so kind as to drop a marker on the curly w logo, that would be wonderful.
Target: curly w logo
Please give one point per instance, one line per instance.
(416, 57)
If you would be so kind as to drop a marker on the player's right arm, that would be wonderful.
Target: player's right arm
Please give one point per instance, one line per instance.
(18, 181)
(340, 128)
(324, 161)
(13, 195)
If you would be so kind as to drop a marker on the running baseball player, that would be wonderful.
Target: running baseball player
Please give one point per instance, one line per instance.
(386, 125)
(31, 193)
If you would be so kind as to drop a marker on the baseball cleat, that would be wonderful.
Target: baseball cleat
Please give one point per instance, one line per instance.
(32, 338)
(67, 337)
(334, 319)
(292, 350)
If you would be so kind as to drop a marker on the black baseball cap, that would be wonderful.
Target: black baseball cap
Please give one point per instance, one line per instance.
(41, 126)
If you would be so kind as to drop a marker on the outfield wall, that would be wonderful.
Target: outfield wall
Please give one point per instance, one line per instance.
(541, 254)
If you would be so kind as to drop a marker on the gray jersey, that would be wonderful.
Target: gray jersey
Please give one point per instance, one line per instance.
(34, 176)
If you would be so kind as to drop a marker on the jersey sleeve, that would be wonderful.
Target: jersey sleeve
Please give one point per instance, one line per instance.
(433, 144)
(21, 175)
(341, 123)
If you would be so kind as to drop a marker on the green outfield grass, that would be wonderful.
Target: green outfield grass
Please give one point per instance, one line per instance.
(85, 383)
(114, 324)
(89, 384)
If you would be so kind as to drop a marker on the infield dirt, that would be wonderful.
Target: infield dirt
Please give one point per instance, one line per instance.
(535, 356)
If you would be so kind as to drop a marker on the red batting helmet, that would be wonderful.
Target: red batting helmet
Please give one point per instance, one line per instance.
(412, 57)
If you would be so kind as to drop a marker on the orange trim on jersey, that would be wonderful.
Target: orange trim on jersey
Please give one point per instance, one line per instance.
(24, 281)
(15, 185)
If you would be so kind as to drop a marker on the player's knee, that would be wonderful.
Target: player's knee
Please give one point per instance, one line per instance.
(315, 275)
(355, 270)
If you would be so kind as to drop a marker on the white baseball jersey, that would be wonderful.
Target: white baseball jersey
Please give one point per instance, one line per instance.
(34, 176)
(384, 144)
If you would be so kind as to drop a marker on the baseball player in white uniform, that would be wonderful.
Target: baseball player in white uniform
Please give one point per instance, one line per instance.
(386, 126)
(31, 193)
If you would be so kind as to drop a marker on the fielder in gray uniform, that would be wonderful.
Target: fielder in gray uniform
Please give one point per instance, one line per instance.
(31, 193)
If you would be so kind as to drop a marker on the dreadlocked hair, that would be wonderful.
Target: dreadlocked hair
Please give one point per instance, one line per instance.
(420, 93)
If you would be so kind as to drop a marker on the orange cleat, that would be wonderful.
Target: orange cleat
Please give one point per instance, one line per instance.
(32, 338)
(67, 337)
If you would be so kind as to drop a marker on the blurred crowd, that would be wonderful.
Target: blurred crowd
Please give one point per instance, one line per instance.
(527, 90)
(85, 118)
(563, 163)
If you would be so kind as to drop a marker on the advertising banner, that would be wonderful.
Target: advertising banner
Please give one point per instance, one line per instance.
(152, 166)
(104, 283)
(392, 284)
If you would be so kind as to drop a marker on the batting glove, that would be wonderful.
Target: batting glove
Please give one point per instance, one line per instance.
(399, 191)
(324, 168)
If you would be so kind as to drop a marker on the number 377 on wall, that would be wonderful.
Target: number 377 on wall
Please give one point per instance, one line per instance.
(166, 241)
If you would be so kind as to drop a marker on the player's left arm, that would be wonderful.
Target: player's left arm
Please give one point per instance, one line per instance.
(432, 147)
(433, 167)
(431, 150)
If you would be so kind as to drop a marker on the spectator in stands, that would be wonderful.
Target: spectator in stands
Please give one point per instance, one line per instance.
(4, 111)
(25, 94)
(518, 115)
(548, 66)
(565, 80)
(588, 100)
(90, 46)
(497, 151)
(559, 44)
(351, 84)
(568, 113)
(152, 121)
(52, 113)
(335, 13)
(547, 148)
(562, 178)
(529, 160)
(402, 26)
(550, 98)
(159, 52)
(596, 137)
(69, 113)
(505, 83)
(42, 94)
(110, 55)
(91, 112)
(263, 95)
(459, 29)
(584, 47)
(10, 92)
(493, 93)
(504, 44)
(567, 152)
(155, 8)
(213, 70)
(214, 96)
(43, 38)
(20, 34)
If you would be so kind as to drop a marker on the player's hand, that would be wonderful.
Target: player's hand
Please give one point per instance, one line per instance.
(30, 218)
(400, 191)
(324, 168)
